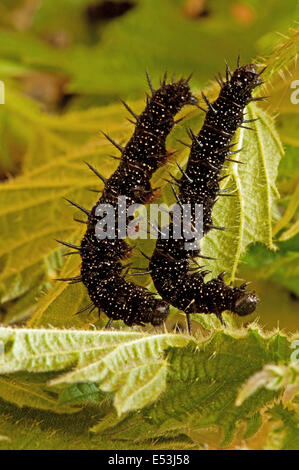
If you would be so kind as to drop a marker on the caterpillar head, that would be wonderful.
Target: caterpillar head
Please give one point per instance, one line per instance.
(245, 302)
(245, 79)
(175, 95)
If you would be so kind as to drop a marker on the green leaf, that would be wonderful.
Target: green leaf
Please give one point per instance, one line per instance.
(177, 384)
(272, 377)
(135, 371)
(44, 350)
(210, 322)
(26, 429)
(23, 393)
(82, 393)
(253, 425)
(132, 359)
(34, 202)
(285, 429)
(282, 64)
(202, 385)
(63, 297)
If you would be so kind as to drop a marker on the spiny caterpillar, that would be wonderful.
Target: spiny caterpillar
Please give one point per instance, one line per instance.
(101, 268)
(170, 268)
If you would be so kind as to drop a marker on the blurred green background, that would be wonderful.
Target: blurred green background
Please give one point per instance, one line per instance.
(62, 57)
(103, 48)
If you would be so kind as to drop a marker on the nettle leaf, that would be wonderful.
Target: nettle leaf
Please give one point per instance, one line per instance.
(203, 395)
(33, 204)
(179, 385)
(44, 350)
(272, 377)
(132, 360)
(248, 216)
(28, 429)
(281, 88)
(281, 70)
(284, 433)
(83, 393)
(44, 136)
(23, 393)
(136, 372)
(60, 305)
(202, 385)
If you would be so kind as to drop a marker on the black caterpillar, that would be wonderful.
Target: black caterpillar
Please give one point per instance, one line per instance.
(101, 269)
(170, 268)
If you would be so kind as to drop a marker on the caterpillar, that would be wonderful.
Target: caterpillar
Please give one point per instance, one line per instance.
(169, 266)
(101, 267)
